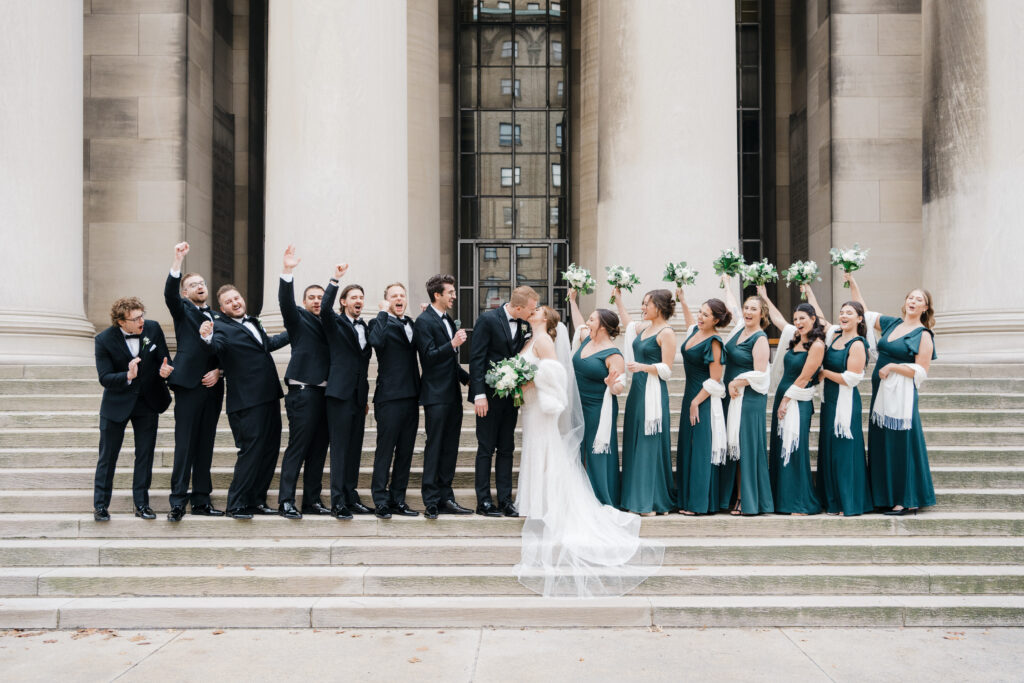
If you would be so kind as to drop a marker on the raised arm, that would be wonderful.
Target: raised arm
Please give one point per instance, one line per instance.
(730, 299)
(857, 296)
(286, 290)
(687, 313)
(172, 286)
(620, 306)
(775, 314)
(327, 313)
(577, 317)
(813, 301)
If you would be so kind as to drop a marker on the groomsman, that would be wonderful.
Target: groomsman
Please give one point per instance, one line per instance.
(395, 405)
(131, 361)
(498, 333)
(438, 341)
(306, 401)
(347, 392)
(254, 399)
(198, 391)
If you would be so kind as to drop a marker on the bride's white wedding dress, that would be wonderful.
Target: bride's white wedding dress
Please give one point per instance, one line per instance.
(573, 545)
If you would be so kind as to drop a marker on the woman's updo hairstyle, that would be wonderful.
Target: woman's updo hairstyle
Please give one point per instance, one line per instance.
(719, 311)
(862, 326)
(817, 330)
(609, 321)
(552, 318)
(663, 300)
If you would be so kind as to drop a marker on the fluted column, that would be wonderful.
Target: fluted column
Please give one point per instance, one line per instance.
(42, 316)
(666, 138)
(973, 205)
(337, 158)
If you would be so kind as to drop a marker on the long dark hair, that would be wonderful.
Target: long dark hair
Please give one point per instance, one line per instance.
(817, 330)
(862, 326)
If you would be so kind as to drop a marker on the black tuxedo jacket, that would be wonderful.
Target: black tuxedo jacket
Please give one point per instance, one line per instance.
(248, 366)
(310, 357)
(112, 358)
(492, 341)
(192, 359)
(349, 364)
(439, 361)
(398, 375)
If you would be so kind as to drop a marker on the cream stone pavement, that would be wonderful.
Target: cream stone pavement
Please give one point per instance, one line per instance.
(453, 655)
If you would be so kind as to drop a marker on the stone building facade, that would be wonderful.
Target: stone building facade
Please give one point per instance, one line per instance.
(501, 139)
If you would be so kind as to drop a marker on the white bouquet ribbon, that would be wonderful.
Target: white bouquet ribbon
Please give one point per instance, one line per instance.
(759, 382)
(894, 402)
(719, 438)
(789, 426)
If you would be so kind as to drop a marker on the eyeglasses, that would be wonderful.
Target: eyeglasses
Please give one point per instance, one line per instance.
(137, 318)
(195, 283)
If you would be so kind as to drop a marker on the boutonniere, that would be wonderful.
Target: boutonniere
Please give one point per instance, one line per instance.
(259, 321)
(526, 330)
(216, 317)
(145, 342)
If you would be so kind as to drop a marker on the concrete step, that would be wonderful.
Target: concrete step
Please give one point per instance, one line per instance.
(514, 612)
(422, 580)
(483, 551)
(80, 500)
(29, 525)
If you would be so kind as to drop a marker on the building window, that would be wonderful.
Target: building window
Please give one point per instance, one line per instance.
(560, 89)
(556, 51)
(533, 6)
(558, 135)
(507, 214)
(507, 87)
(556, 175)
(553, 216)
(510, 49)
(491, 253)
(505, 134)
(506, 177)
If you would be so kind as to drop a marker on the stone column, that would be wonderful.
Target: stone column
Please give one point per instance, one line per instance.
(666, 139)
(42, 316)
(973, 204)
(337, 158)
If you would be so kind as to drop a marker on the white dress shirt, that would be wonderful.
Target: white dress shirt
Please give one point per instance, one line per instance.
(360, 331)
(447, 325)
(405, 324)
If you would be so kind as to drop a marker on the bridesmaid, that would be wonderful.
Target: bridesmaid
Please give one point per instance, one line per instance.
(746, 480)
(696, 476)
(901, 478)
(647, 458)
(599, 369)
(792, 483)
(842, 475)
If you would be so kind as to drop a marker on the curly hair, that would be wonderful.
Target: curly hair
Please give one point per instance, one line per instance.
(662, 300)
(720, 312)
(552, 318)
(123, 307)
(817, 330)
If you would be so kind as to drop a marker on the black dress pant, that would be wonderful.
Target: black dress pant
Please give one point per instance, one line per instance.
(257, 432)
(196, 413)
(307, 444)
(144, 422)
(346, 421)
(397, 422)
(496, 437)
(443, 422)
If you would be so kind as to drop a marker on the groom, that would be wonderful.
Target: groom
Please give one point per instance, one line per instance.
(499, 333)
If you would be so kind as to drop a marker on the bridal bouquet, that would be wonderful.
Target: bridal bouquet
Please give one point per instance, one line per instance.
(579, 279)
(680, 273)
(728, 263)
(849, 259)
(621, 277)
(759, 273)
(507, 377)
(803, 273)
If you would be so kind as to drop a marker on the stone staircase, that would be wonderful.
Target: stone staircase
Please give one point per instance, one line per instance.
(958, 564)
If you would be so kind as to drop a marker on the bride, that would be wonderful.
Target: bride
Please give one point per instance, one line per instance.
(573, 545)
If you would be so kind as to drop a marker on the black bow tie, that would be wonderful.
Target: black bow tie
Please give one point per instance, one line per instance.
(204, 309)
(133, 336)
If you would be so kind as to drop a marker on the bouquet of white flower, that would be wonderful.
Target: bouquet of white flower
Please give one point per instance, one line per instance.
(803, 273)
(759, 273)
(680, 273)
(621, 277)
(849, 259)
(579, 279)
(508, 376)
(728, 263)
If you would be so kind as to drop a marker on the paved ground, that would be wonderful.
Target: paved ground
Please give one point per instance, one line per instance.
(456, 655)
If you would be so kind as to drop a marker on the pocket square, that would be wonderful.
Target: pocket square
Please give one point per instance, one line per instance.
(153, 347)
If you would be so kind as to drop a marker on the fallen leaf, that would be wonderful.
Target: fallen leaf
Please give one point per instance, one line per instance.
(145, 642)
(581, 659)
(422, 649)
(413, 660)
(218, 632)
(357, 635)
(49, 641)
(136, 638)
(654, 629)
(410, 634)
(339, 631)
(220, 566)
(29, 634)
(953, 638)
(249, 569)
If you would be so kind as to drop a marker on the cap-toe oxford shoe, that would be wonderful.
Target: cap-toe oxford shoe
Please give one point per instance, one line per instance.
(176, 513)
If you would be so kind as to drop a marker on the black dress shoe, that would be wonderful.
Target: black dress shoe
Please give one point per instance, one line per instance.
(145, 512)
(431, 512)
(358, 508)
(317, 508)
(450, 507)
(240, 513)
(404, 510)
(176, 513)
(289, 511)
(509, 510)
(488, 510)
(101, 515)
(382, 512)
(341, 512)
(901, 512)
(207, 510)
(261, 509)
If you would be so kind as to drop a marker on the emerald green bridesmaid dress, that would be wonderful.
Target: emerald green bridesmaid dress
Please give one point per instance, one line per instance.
(898, 459)
(755, 490)
(646, 458)
(842, 474)
(603, 468)
(696, 477)
(793, 485)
